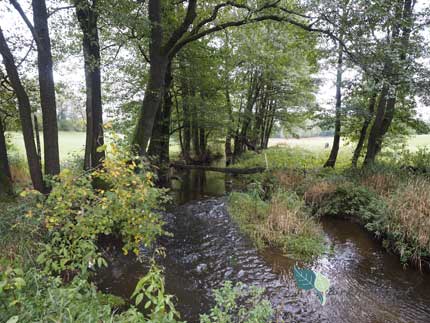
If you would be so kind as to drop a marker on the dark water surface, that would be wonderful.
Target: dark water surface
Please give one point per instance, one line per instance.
(367, 284)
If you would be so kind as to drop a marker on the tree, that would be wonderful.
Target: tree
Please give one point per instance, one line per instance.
(5, 174)
(40, 33)
(87, 14)
(393, 74)
(24, 113)
(193, 25)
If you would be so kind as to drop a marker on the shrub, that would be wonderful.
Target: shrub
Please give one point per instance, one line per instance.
(353, 201)
(240, 303)
(67, 225)
(75, 214)
(420, 159)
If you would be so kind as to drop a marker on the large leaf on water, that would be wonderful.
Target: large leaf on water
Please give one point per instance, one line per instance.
(322, 283)
(305, 278)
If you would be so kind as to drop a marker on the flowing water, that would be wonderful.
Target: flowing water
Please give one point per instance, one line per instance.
(367, 283)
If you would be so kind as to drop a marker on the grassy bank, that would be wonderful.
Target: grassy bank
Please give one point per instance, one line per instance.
(280, 222)
(391, 201)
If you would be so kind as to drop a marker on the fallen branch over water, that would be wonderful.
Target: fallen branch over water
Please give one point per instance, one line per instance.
(227, 170)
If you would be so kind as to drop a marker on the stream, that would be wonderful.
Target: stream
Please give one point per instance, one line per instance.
(367, 283)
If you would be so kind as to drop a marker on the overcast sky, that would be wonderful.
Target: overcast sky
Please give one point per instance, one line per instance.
(71, 71)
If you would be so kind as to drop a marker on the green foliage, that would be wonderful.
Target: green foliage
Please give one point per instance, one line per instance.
(239, 303)
(150, 289)
(66, 226)
(419, 159)
(32, 297)
(75, 214)
(352, 200)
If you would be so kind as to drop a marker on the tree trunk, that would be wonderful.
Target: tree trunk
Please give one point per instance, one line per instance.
(5, 174)
(25, 115)
(241, 138)
(202, 143)
(47, 88)
(37, 135)
(375, 137)
(160, 139)
(155, 86)
(87, 17)
(186, 150)
(331, 162)
(228, 150)
(363, 132)
(195, 133)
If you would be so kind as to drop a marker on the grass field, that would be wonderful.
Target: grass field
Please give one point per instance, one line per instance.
(318, 143)
(69, 143)
(74, 142)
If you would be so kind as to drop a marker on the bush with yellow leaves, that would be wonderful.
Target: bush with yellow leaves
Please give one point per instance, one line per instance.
(118, 200)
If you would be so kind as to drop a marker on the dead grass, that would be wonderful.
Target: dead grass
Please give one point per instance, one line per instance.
(20, 175)
(287, 217)
(410, 212)
(318, 191)
(382, 183)
(289, 179)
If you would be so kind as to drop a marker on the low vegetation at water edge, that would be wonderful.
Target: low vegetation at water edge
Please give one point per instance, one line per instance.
(280, 222)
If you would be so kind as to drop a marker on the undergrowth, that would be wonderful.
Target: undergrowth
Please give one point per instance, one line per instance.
(391, 198)
(280, 222)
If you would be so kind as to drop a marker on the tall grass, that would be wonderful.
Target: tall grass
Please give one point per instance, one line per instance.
(280, 222)
(409, 219)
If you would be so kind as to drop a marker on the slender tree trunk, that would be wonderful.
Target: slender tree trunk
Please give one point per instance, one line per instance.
(228, 150)
(88, 17)
(270, 123)
(37, 136)
(202, 143)
(155, 86)
(331, 162)
(25, 115)
(180, 127)
(195, 133)
(187, 130)
(5, 174)
(47, 88)
(363, 131)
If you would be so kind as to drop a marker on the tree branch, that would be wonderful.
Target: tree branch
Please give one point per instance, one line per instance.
(59, 9)
(182, 29)
(24, 17)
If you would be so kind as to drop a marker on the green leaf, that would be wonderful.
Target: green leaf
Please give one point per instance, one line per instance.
(13, 319)
(101, 148)
(139, 298)
(305, 278)
(322, 283)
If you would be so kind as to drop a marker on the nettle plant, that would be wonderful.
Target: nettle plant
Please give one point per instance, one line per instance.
(118, 200)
